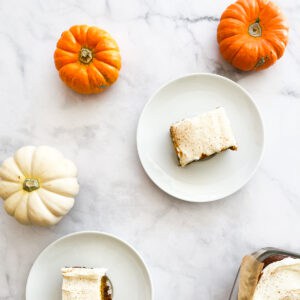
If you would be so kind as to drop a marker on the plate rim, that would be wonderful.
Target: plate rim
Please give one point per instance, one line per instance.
(101, 233)
(236, 85)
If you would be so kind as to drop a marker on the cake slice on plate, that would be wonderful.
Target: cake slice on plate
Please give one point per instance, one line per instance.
(85, 284)
(202, 136)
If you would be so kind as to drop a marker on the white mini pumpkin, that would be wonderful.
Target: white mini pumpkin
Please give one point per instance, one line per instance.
(38, 185)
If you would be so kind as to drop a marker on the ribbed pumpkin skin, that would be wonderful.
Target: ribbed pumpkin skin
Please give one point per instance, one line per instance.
(248, 50)
(92, 71)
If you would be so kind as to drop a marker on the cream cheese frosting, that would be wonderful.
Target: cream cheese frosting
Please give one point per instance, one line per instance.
(82, 283)
(202, 135)
(279, 281)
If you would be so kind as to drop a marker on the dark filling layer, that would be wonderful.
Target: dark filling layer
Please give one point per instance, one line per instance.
(273, 258)
(106, 288)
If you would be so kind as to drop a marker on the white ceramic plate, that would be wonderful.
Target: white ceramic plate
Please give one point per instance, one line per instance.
(126, 269)
(218, 176)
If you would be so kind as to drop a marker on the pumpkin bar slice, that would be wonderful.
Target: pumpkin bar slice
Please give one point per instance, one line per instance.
(202, 136)
(85, 284)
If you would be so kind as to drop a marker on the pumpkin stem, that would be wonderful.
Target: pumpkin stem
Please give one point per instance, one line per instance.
(30, 184)
(85, 55)
(255, 29)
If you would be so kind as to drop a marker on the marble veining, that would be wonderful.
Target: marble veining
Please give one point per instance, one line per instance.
(193, 250)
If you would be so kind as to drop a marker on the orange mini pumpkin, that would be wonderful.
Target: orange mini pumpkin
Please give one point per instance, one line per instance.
(87, 58)
(252, 34)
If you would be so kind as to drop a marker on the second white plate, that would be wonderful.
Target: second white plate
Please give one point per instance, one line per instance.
(126, 269)
(218, 176)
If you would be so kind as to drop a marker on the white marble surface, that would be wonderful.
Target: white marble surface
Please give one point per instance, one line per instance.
(193, 250)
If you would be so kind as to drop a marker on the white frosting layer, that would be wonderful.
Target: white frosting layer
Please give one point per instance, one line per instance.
(82, 283)
(204, 134)
(279, 281)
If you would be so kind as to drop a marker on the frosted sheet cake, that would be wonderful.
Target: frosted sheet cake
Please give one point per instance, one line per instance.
(202, 136)
(85, 284)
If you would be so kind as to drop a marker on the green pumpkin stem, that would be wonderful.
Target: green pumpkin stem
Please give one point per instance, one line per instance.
(255, 29)
(30, 184)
